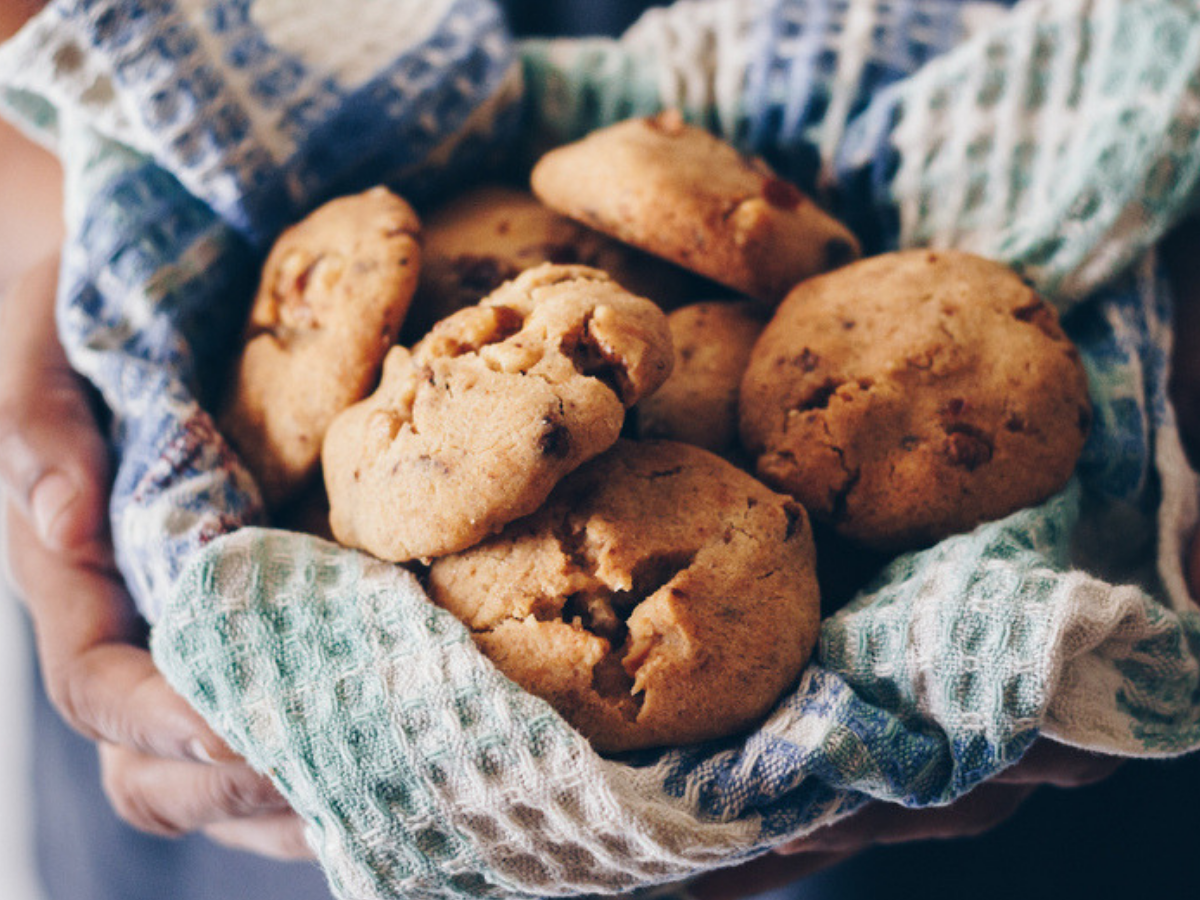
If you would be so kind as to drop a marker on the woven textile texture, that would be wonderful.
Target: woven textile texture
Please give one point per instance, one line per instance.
(1058, 136)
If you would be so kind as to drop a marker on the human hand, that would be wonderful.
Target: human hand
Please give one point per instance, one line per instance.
(164, 770)
(1046, 763)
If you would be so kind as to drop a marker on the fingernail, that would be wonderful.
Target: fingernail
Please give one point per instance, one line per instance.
(215, 756)
(197, 751)
(50, 499)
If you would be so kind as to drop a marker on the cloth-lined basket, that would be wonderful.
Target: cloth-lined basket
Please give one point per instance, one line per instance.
(1062, 138)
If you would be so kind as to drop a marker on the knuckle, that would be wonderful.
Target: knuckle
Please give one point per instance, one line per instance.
(52, 426)
(238, 792)
(293, 841)
(71, 692)
(130, 801)
(15, 418)
(17, 424)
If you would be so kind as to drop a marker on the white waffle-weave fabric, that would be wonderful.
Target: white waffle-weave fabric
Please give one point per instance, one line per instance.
(1059, 136)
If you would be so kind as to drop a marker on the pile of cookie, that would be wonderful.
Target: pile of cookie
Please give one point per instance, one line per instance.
(597, 417)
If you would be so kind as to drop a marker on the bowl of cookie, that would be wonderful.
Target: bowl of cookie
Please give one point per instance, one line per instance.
(639, 432)
(767, 432)
(636, 505)
(657, 589)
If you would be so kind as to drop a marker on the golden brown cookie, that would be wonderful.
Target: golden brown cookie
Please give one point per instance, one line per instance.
(913, 395)
(698, 403)
(491, 234)
(679, 192)
(334, 291)
(661, 596)
(476, 425)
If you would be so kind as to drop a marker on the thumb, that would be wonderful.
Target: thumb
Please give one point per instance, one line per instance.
(53, 460)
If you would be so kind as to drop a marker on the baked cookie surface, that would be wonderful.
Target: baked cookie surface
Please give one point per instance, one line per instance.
(661, 596)
(334, 292)
(489, 235)
(475, 426)
(914, 395)
(679, 192)
(698, 403)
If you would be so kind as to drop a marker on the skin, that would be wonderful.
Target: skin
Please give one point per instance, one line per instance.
(164, 770)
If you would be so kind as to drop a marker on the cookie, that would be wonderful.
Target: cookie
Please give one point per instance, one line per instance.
(698, 403)
(914, 395)
(333, 294)
(491, 234)
(475, 426)
(679, 192)
(660, 597)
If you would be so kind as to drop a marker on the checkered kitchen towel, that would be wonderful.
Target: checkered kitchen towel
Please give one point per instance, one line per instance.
(1060, 136)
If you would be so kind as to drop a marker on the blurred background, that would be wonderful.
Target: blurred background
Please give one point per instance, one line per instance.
(30, 201)
(16, 833)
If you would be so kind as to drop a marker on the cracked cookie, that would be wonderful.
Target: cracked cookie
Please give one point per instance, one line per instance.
(679, 192)
(475, 426)
(698, 403)
(660, 597)
(334, 291)
(489, 235)
(914, 395)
